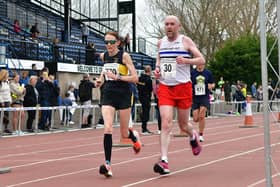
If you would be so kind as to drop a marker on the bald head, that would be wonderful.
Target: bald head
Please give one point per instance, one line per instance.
(172, 27)
(173, 18)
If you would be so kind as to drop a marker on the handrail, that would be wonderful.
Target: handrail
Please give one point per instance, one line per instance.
(79, 13)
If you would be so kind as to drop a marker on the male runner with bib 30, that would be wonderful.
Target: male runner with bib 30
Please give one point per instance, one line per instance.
(176, 54)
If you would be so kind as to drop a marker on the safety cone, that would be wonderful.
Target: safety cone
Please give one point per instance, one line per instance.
(248, 122)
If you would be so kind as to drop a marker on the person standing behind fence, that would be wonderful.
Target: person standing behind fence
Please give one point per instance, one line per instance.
(176, 54)
(74, 103)
(259, 97)
(16, 25)
(85, 95)
(127, 43)
(5, 98)
(118, 70)
(85, 34)
(43, 86)
(90, 54)
(17, 93)
(202, 84)
(145, 89)
(34, 31)
(31, 100)
(67, 116)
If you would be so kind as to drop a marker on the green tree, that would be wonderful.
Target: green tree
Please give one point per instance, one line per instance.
(240, 60)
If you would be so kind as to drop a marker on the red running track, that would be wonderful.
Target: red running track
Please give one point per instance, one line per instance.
(231, 157)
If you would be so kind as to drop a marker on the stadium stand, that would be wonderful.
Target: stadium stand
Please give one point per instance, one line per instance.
(51, 25)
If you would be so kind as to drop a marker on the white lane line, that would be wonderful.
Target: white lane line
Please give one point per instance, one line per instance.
(263, 180)
(199, 165)
(101, 152)
(97, 143)
(144, 158)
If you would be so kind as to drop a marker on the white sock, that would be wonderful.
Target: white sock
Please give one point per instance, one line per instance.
(164, 158)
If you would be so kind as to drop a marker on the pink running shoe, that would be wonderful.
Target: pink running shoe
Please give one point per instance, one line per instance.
(196, 148)
(161, 168)
(106, 170)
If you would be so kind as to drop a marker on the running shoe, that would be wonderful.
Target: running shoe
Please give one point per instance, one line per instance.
(196, 148)
(161, 168)
(136, 145)
(106, 170)
(201, 139)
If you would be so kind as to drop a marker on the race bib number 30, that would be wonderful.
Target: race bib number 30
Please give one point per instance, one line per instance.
(199, 89)
(168, 68)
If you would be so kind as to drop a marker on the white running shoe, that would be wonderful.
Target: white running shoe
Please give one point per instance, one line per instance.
(71, 122)
(201, 139)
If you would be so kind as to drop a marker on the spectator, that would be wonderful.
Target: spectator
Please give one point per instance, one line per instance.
(17, 93)
(24, 78)
(34, 31)
(85, 94)
(254, 90)
(54, 90)
(66, 113)
(240, 98)
(85, 33)
(31, 100)
(56, 53)
(27, 32)
(17, 28)
(127, 42)
(44, 86)
(145, 88)
(33, 70)
(122, 43)
(227, 91)
(259, 97)
(90, 54)
(5, 98)
(73, 100)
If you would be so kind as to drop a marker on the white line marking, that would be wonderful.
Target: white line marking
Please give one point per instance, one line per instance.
(142, 158)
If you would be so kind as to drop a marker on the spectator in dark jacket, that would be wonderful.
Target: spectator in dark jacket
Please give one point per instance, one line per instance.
(44, 86)
(34, 31)
(145, 88)
(85, 94)
(90, 54)
(31, 100)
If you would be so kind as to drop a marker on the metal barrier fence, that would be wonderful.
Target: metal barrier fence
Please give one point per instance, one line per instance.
(217, 108)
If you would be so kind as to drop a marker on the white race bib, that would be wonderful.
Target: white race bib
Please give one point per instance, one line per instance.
(199, 89)
(168, 68)
(113, 67)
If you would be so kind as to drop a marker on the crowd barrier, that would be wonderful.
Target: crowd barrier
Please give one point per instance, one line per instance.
(217, 108)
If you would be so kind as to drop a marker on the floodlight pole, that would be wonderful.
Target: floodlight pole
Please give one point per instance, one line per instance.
(267, 150)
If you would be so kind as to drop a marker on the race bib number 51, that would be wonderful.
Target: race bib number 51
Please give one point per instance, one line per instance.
(199, 89)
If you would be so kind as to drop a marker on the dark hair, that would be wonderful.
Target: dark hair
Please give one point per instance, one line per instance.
(67, 94)
(115, 34)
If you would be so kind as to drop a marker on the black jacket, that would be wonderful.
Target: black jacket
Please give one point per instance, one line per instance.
(145, 87)
(30, 98)
(85, 90)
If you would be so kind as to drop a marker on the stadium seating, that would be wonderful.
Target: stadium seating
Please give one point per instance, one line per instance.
(51, 26)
